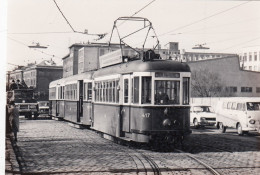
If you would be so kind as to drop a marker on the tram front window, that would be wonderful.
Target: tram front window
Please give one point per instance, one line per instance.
(167, 92)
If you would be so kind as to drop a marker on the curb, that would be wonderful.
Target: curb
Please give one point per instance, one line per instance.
(11, 163)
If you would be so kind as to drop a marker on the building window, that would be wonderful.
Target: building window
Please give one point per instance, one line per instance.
(231, 89)
(255, 55)
(245, 57)
(257, 89)
(246, 89)
(250, 56)
(250, 67)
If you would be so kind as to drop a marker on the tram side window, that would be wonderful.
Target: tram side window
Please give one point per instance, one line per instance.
(136, 90)
(186, 88)
(87, 91)
(117, 91)
(52, 93)
(125, 90)
(167, 92)
(146, 90)
(105, 91)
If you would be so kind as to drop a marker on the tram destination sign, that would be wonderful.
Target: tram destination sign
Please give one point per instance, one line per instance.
(111, 58)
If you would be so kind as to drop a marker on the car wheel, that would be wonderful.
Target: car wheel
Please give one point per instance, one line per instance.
(222, 128)
(239, 130)
(196, 123)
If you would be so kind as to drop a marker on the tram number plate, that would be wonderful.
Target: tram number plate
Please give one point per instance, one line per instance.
(146, 115)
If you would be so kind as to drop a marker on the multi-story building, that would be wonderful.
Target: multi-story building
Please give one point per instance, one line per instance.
(85, 57)
(38, 77)
(17, 74)
(250, 58)
(173, 52)
(234, 81)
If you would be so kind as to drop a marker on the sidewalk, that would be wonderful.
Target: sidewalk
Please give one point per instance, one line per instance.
(11, 163)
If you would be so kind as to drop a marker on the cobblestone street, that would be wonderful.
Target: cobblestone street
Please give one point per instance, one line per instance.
(54, 147)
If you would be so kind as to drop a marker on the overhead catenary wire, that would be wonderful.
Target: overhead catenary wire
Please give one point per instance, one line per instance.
(33, 49)
(240, 44)
(64, 16)
(197, 21)
(99, 35)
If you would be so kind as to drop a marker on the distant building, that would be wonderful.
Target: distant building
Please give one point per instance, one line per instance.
(234, 80)
(38, 77)
(85, 57)
(173, 52)
(250, 58)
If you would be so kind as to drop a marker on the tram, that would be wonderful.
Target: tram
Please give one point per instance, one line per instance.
(142, 100)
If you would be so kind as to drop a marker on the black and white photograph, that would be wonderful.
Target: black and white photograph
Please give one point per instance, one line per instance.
(118, 87)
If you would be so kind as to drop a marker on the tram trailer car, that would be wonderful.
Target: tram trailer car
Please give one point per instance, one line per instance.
(137, 101)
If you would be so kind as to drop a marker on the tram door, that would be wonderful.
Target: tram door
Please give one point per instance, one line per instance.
(126, 108)
(80, 102)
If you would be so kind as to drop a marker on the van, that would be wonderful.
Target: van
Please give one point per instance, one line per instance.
(202, 115)
(240, 113)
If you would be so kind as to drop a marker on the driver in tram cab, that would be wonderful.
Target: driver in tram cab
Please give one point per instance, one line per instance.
(161, 98)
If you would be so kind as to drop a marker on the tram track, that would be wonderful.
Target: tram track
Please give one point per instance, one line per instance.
(144, 164)
(208, 167)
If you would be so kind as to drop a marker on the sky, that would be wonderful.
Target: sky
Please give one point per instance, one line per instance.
(223, 26)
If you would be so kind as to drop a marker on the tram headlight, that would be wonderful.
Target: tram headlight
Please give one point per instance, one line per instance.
(252, 121)
(167, 122)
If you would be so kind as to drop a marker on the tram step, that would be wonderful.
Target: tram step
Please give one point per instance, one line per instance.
(76, 125)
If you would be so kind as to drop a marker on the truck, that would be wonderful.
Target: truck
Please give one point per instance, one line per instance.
(24, 101)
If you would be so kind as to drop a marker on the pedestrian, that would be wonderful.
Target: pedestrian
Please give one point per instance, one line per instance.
(19, 85)
(14, 119)
(24, 86)
(7, 123)
(13, 85)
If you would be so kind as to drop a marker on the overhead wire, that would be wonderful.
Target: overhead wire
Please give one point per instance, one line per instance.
(99, 35)
(215, 14)
(197, 21)
(34, 48)
(64, 16)
(240, 44)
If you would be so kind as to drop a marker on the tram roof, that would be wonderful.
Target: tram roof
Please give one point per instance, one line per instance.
(63, 81)
(147, 66)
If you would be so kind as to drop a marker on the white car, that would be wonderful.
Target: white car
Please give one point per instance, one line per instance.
(202, 115)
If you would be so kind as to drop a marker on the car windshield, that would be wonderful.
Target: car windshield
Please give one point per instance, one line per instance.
(43, 103)
(253, 106)
(202, 109)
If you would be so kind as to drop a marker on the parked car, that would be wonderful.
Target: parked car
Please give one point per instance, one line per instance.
(43, 108)
(202, 115)
(240, 113)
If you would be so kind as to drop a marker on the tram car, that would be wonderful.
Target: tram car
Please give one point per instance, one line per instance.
(139, 99)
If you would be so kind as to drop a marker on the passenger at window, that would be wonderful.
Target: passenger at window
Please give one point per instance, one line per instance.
(161, 98)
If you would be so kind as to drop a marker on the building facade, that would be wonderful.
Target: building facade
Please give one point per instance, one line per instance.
(235, 81)
(250, 58)
(85, 57)
(38, 77)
